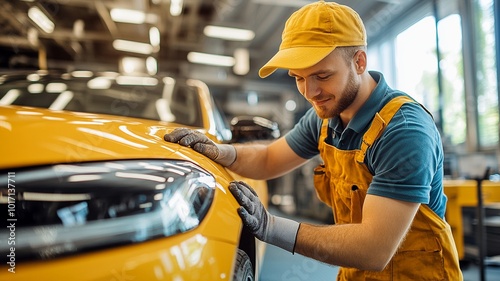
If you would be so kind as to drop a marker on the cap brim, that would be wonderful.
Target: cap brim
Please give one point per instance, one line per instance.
(295, 58)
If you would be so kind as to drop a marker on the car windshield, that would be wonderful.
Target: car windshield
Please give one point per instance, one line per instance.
(141, 97)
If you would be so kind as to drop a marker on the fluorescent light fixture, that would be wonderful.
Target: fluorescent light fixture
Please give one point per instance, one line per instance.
(154, 37)
(133, 65)
(66, 76)
(36, 88)
(132, 16)
(129, 65)
(33, 77)
(40, 19)
(32, 36)
(109, 74)
(176, 7)
(79, 28)
(228, 33)
(128, 16)
(55, 88)
(151, 66)
(242, 61)
(136, 80)
(99, 83)
(82, 73)
(131, 46)
(210, 59)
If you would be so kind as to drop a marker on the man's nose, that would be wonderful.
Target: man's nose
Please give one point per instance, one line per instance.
(311, 89)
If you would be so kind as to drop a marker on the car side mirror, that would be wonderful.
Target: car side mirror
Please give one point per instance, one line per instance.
(253, 128)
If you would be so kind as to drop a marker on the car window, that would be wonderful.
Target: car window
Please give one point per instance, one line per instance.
(147, 101)
(221, 123)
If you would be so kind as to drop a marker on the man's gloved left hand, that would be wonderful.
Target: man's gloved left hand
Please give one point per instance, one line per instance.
(272, 229)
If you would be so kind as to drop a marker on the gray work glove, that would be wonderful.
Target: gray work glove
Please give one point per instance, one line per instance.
(223, 154)
(271, 229)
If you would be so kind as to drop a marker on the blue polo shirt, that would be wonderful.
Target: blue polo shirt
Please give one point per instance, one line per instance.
(406, 161)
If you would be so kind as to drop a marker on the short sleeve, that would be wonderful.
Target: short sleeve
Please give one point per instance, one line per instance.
(406, 159)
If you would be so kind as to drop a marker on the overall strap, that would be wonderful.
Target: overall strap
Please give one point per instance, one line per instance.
(323, 134)
(380, 121)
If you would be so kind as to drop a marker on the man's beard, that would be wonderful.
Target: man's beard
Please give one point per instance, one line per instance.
(345, 100)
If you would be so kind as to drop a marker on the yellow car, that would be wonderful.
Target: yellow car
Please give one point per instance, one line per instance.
(93, 196)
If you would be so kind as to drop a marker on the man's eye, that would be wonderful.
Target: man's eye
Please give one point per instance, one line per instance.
(323, 77)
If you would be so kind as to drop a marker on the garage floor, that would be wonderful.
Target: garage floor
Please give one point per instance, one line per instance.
(281, 265)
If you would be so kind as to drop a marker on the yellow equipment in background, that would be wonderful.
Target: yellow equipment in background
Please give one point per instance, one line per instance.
(462, 194)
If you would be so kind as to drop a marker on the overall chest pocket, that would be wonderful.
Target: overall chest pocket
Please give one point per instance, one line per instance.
(357, 198)
(348, 199)
(322, 184)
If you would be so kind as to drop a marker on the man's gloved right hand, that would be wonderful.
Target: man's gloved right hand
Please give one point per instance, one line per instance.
(223, 154)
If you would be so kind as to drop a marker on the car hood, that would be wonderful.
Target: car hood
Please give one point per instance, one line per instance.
(35, 136)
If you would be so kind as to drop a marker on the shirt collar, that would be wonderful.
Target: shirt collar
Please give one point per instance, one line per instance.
(372, 105)
(366, 113)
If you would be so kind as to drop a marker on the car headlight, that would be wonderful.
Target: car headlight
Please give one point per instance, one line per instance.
(65, 209)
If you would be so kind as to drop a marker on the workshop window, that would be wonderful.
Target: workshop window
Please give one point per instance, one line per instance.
(487, 88)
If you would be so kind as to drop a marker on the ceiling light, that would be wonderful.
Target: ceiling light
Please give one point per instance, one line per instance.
(175, 7)
(154, 37)
(210, 59)
(55, 87)
(36, 88)
(33, 77)
(99, 83)
(79, 28)
(136, 80)
(131, 46)
(252, 98)
(228, 33)
(39, 17)
(129, 65)
(109, 74)
(290, 105)
(132, 16)
(82, 73)
(128, 16)
(241, 61)
(151, 66)
(32, 36)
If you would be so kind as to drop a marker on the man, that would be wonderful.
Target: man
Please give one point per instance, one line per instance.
(383, 159)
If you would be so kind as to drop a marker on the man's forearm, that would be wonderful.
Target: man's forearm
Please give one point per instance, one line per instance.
(368, 245)
(250, 161)
(265, 160)
(343, 245)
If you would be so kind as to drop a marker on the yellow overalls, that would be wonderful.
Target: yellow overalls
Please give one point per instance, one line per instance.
(428, 251)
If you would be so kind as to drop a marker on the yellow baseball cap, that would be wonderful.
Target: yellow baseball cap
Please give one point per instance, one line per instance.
(314, 31)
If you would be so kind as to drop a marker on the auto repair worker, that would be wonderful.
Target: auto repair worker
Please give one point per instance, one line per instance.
(382, 154)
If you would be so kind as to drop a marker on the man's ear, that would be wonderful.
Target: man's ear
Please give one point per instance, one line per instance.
(360, 61)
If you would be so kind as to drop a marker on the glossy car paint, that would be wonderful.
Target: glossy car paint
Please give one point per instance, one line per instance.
(34, 136)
